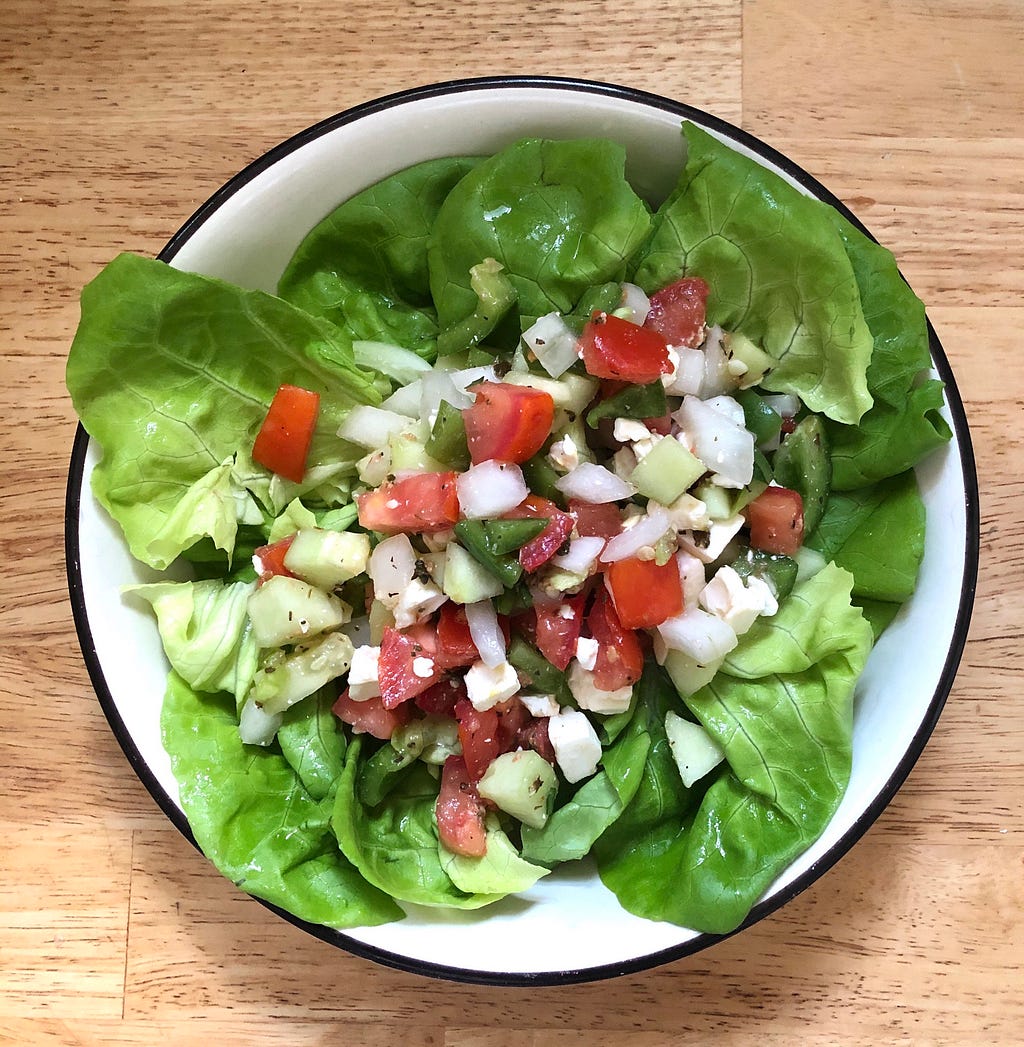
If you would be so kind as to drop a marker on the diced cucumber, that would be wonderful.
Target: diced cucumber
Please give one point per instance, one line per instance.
(286, 610)
(327, 559)
(571, 392)
(379, 618)
(667, 471)
(409, 453)
(466, 580)
(717, 499)
(695, 752)
(687, 675)
(757, 362)
(288, 678)
(523, 784)
(431, 739)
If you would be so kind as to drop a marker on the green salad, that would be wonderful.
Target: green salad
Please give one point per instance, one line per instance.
(530, 521)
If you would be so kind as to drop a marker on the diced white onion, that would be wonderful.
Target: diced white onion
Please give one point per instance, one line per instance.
(486, 632)
(256, 726)
(784, 404)
(595, 484)
(636, 301)
(646, 532)
(553, 343)
(688, 376)
(582, 555)
(370, 427)
(723, 446)
(729, 406)
(490, 489)
(391, 569)
(401, 365)
(406, 399)
(718, 378)
(698, 634)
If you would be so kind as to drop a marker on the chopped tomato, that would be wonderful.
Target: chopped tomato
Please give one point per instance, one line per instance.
(776, 518)
(455, 646)
(661, 425)
(620, 658)
(596, 521)
(536, 552)
(535, 736)
(459, 811)
(644, 592)
(421, 502)
(370, 717)
(282, 444)
(441, 698)
(269, 559)
(615, 348)
(678, 312)
(480, 737)
(506, 422)
(406, 666)
(558, 629)
(513, 717)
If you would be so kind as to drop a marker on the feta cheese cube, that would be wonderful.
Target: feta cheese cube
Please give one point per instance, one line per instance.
(577, 747)
(719, 535)
(539, 705)
(564, 454)
(363, 678)
(586, 651)
(487, 686)
(589, 696)
(735, 603)
(416, 601)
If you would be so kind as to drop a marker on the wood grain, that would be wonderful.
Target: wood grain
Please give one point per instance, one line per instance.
(118, 121)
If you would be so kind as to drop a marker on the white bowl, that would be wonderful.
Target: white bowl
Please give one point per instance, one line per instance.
(569, 927)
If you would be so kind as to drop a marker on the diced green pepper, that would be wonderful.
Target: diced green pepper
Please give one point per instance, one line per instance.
(495, 297)
(779, 571)
(493, 544)
(543, 676)
(447, 440)
(763, 421)
(635, 401)
(803, 464)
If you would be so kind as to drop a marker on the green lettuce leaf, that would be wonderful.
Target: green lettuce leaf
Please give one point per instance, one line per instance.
(172, 373)
(395, 845)
(560, 217)
(364, 267)
(313, 744)
(204, 629)
(877, 534)
(499, 872)
(782, 709)
(256, 822)
(778, 272)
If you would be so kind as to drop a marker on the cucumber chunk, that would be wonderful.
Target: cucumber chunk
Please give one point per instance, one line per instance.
(695, 752)
(522, 784)
(327, 559)
(466, 580)
(286, 610)
(288, 678)
(668, 470)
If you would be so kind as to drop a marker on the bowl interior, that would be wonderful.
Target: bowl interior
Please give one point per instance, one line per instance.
(246, 234)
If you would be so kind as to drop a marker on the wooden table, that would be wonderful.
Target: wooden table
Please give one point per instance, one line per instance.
(118, 120)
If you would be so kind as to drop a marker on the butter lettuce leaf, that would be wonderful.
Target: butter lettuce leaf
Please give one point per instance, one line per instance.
(364, 267)
(312, 742)
(781, 707)
(777, 269)
(172, 373)
(254, 819)
(559, 216)
(499, 872)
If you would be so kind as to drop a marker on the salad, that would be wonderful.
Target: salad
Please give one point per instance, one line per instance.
(527, 522)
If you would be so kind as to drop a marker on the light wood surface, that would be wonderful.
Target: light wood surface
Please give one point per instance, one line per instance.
(119, 118)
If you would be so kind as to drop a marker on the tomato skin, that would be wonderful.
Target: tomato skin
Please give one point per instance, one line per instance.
(455, 646)
(615, 348)
(776, 518)
(620, 658)
(421, 502)
(396, 667)
(678, 312)
(440, 698)
(602, 520)
(536, 552)
(480, 735)
(282, 444)
(459, 811)
(643, 592)
(556, 634)
(370, 717)
(271, 559)
(506, 422)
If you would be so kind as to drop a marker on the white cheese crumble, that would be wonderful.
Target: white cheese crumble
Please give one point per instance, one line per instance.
(586, 652)
(416, 601)
(486, 686)
(736, 603)
(589, 696)
(423, 667)
(576, 744)
(363, 674)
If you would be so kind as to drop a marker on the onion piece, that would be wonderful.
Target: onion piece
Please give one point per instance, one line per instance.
(490, 489)
(391, 569)
(401, 365)
(688, 377)
(405, 399)
(636, 301)
(486, 632)
(256, 726)
(645, 532)
(553, 343)
(370, 427)
(726, 448)
(582, 555)
(717, 376)
(594, 484)
(702, 636)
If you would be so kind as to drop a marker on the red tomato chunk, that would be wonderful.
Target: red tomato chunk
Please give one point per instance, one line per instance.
(776, 519)
(558, 629)
(620, 658)
(460, 811)
(645, 593)
(615, 348)
(270, 559)
(422, 502)
(678, 312)
(370, 717)
(282, 444)
(479, 733)
(407, 666)
(507, 423)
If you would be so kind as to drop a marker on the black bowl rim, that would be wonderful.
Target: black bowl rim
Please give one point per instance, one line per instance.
(869, 815)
